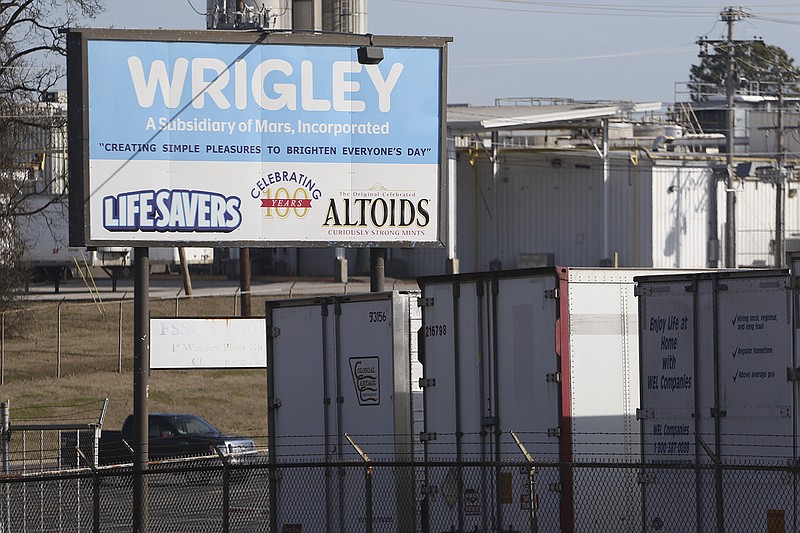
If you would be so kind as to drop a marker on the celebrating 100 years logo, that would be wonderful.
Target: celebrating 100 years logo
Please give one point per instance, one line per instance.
(279, 201)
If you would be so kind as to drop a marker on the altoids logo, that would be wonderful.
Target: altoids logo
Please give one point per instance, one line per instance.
(285, 193)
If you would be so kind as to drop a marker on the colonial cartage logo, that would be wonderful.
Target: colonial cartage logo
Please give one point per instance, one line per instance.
(366, 379)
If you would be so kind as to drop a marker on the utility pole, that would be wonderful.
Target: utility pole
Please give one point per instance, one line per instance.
(141, 386)
(780, 205)
(729, 16)
(244, 281)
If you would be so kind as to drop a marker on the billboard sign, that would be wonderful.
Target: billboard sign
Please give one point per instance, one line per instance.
(255, 139)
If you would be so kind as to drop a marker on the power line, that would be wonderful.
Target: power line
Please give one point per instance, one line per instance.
(590, 9)
(484, 63)
(779, 21)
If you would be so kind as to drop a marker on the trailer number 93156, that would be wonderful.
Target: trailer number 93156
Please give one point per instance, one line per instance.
(377, 316)
(436, 330)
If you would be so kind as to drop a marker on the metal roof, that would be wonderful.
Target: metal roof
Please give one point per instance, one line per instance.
(480, 118)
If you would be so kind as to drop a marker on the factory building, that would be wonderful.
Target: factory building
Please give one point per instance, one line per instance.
(542, 182)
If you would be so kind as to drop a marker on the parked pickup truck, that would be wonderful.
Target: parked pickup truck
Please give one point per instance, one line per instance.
(173, 435)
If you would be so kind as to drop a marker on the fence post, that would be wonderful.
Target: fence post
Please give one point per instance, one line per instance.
(226, 492)
(58, 336)
(119, 331)
(3, 348)
(273, 483)
(5, 416)
(95, 501)
(5, 436)
(95, 488)
(718, 499)
(98, 430)
(532, 479)
(177, 299)
(367, 484)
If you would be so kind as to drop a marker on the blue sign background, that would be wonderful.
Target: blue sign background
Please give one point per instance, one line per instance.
(118, 123)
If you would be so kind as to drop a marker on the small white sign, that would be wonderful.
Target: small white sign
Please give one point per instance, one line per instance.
(184, 343)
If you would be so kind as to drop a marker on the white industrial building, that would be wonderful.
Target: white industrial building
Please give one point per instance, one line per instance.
(590, 184)
(539, 183)
(42, 227)
(554, 181)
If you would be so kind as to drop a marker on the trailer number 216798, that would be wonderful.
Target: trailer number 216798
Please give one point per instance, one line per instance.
(436, 330)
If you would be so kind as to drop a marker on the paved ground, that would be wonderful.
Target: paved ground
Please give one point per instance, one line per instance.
(170, 286)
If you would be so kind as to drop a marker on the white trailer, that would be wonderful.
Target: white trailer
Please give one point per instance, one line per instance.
(170, 257)
(550, 354)
(340, 367)
(719, 381)
(44, 237)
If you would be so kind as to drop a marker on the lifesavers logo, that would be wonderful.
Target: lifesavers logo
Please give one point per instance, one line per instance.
(171, 210)
(286, 193)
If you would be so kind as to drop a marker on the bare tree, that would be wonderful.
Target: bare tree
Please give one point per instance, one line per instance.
(32, 119)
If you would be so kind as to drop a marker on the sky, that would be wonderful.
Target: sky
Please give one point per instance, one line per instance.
(585, 50)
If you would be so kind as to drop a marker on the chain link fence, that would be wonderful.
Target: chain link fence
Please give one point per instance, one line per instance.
(211, 494)
(49, 338)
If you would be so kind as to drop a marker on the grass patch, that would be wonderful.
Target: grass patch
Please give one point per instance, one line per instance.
(86, 351)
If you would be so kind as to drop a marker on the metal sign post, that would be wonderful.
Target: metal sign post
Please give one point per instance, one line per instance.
(141, 368)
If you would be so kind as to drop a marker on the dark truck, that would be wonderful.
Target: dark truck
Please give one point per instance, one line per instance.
(172, 436)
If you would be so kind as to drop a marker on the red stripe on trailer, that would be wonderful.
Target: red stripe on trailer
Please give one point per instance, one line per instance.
(565, 445)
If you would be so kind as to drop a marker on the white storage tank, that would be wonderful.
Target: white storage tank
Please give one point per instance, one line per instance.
(718, 365)
(550, 354)
(343, 365)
